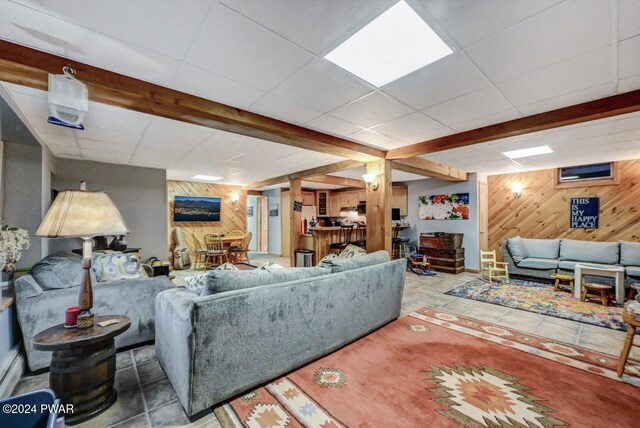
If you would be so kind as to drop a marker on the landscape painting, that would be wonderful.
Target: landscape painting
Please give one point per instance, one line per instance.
(196, 208)
(454, 206)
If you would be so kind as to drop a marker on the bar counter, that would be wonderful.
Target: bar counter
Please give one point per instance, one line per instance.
(323, 236)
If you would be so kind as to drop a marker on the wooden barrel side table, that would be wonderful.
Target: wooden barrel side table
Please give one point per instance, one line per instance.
(83, 365)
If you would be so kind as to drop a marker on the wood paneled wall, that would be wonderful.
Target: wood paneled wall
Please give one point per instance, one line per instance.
(232, 216)
(543, 211)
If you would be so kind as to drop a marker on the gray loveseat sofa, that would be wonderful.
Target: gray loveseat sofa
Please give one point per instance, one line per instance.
(539, 258)
(215, 346)
(53, 286)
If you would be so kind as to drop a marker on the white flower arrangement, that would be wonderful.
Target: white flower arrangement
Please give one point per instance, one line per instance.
(13, 241)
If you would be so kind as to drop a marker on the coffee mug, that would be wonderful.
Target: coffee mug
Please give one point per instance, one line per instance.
(71, 316)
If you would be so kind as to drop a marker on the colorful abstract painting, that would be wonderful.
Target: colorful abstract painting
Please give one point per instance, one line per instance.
(454, 206)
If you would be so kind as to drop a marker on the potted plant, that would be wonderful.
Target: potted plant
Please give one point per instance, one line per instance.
(13, 241)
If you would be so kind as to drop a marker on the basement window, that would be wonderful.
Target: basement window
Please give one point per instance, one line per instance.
(587, 175)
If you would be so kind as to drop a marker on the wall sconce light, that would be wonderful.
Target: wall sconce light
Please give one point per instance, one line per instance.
(517, 190)
(234, 198)
(371, 180)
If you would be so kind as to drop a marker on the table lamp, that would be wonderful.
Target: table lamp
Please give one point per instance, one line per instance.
(82, 214)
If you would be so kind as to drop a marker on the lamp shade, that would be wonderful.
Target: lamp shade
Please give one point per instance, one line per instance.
(82, 214)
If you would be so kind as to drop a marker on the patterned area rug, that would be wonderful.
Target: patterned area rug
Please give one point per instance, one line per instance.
(435, 369)
(541, 299)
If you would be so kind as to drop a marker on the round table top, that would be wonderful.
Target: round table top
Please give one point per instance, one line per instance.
(59, 337)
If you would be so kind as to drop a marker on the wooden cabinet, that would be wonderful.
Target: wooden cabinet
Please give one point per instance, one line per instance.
(362, 195)
(334, 205)
(348, 199)
(308, 198)
(400, 200)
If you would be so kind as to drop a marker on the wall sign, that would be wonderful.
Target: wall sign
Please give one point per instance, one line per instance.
(584, 213)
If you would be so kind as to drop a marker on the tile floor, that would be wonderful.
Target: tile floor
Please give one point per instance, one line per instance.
(146, 398)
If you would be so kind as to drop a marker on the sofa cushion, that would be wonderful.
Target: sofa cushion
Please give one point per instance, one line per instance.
(228, 280)
(58, 270)
(541, 248)
(112, 267)
(568, 264)
(629, 253)
(340, 265)
(516, 249)
(633, 271)
(538, 263)
(587, 251)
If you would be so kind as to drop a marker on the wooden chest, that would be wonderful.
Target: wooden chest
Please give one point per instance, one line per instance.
(451, 261)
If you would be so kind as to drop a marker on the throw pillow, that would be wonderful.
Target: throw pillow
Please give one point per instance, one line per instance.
(112, 267)
(221, 281)
(342, 264)
(516, 249)
(270, 266)
(352, 251)
(58, 270)
(198, 281)
(326, 259)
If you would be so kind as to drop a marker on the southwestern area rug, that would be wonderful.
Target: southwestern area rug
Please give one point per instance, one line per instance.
(435, 369)
(541, 299)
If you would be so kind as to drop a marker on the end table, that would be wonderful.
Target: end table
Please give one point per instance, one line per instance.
(83, 365)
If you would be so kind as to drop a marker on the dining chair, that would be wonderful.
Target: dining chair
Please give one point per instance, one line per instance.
(200, 253)
(491, 269)
(240, 254)
(216, 253)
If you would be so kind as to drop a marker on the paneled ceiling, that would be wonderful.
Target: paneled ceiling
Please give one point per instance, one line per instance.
(512, 59)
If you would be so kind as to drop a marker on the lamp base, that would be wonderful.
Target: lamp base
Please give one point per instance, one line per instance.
(85, 319)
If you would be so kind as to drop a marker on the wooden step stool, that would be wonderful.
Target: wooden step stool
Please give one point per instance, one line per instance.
(600, 291)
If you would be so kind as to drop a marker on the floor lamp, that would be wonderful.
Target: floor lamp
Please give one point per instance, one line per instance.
(82, 214)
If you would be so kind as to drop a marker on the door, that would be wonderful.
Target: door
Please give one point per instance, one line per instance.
(483, 215)
(263, 224)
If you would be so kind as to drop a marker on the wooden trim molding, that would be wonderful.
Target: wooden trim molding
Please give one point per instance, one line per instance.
(321, 170)
(30, 67)
(628, 102)
(338, 181)
(613, 181)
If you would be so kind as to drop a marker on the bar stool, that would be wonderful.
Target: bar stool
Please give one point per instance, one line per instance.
(345, 239)
(396, 241)
(361, 236)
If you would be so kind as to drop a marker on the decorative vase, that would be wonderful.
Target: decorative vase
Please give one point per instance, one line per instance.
(7, 279)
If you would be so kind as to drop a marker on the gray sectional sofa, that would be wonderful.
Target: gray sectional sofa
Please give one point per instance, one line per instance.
(214, 346)
(539, 258)
(53, 286)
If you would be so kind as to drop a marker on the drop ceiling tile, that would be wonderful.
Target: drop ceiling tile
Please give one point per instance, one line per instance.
(322, 86)
(170, 138)
(372, 138)
(544, 39)
(332, 125)
(470, 106)
(233, 46)
(629, 136)
(371, 110)
(575, 74)
(628, 122)
(406, 126)
(629, 84)
(45, 32)
(573, 133)
(204, 84)
(287, 111)
(314, 25)
(628, 18)
(230, 142)
(450, 77)
(397, 176)
(429, 135)
(168, 27)
(490, 119)
(469, 21)
(151, 160)
(573, 98)
(629, 57)
(263, 154)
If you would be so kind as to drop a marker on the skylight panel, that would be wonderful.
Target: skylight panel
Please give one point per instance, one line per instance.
(393, 45)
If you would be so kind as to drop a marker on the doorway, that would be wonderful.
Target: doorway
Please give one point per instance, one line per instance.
(262, 227)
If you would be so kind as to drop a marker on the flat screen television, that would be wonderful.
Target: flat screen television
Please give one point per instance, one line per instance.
(395, 214)
(196, 208)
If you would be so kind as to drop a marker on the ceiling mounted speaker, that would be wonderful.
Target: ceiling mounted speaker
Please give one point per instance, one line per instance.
(68, 98)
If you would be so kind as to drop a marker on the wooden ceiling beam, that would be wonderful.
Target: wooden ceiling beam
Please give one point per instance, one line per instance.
(628, 102)
(29, 67)
(338, 181)
(429, 168)
(321, 170)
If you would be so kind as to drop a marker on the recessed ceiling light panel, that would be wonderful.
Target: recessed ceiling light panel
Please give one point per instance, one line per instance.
(531, 151)
(389, 47)
(206, 177)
